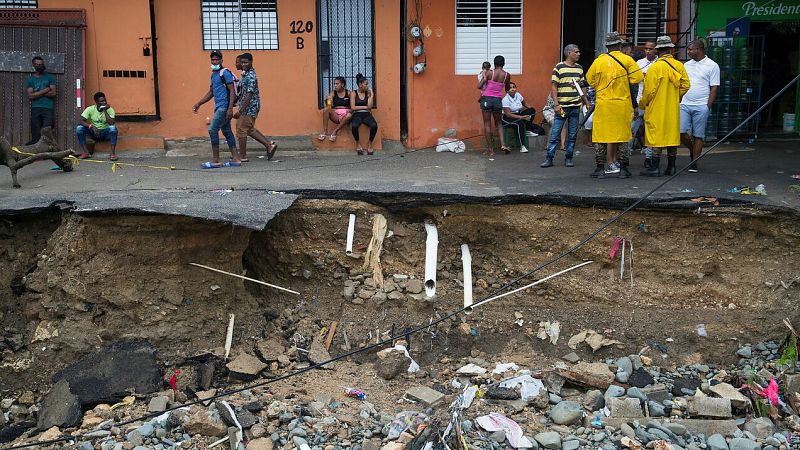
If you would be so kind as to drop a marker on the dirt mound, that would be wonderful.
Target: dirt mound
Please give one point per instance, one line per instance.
(95, 280)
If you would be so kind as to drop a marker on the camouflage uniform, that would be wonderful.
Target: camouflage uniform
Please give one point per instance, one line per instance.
(623, 156)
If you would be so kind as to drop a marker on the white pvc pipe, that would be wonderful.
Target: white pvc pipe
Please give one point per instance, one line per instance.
(351, 228)
(431, 248)
(229, 337)
(466, 262)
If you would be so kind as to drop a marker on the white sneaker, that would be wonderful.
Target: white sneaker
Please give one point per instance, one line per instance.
(531, 134)
(612, 168)
(523, 149)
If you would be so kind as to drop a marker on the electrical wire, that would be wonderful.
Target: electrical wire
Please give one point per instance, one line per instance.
(489, 297)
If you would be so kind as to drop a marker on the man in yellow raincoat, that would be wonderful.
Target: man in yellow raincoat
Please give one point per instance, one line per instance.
(612, 75)
(664, 86)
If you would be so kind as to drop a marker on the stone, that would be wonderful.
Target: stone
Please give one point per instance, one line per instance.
(571, 357)
(693, 426)
(791, 383)
(593, 400)
(725, 390)
(498, 436)
(258, 431)
(717, 442)
(571, 445)
(246, 366)
(743, 444)
(614, 391)
(677, 428)
(624, 407)
(566, 412)
(260, 444)
(549, 439)
(760, 427)
(109, 374)
(414, 286)
(425, 395)
(717, 408)
(146, 430)
(50, 434)
(595, 375)
(317, 353)
(656, 409)
(393, 363)
(680, 386)
(634, 392)
(621, 376)
(157, 404)
(745, 352)
(205, 423)
(270, 349)
(625, 364)
(640, 378)
(60, 407)
(656, 392)
(627, 431)
(496, 392)
(554, 382)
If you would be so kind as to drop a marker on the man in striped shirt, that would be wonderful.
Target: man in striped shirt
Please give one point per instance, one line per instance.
(567, 103)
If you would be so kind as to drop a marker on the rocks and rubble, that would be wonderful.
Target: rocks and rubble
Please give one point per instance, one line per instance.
(565, 407)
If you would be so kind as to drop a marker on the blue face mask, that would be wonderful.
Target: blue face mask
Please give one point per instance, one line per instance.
(215, 67)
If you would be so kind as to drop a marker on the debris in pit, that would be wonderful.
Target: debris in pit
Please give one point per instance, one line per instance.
(372, 258)
(593, 339)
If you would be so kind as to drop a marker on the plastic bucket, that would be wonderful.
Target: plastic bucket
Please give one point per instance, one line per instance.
(788, 122)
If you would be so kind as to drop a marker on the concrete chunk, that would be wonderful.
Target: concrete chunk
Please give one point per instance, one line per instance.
(718, 408)
(425, 395)
(693, 426)
(624, 407)
(725, 390)
(589, 374)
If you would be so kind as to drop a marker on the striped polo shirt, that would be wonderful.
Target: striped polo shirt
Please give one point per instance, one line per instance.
(563, 78)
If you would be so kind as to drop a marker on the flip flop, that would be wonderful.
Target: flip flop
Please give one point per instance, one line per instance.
(56, 167)
(333, 137)
(245, 159)
(210, 165)
(113, 157)
(322, 136)
(506, 150)
(271, 152)
(231, 164)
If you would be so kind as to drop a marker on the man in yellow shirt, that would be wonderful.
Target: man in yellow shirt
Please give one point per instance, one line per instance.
(97, 124)
(612, 75)
(664, 87)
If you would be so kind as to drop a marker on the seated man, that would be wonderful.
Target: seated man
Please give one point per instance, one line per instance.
(97, 123)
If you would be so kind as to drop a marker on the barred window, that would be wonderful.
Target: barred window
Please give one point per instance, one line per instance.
(485, 29)
(642, 18)
(240, 24)
(19, 4)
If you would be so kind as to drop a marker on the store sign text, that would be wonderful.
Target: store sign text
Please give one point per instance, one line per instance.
(752, 9)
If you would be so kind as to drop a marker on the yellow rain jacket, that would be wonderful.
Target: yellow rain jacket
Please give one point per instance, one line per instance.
(664, 86)
(614, 109)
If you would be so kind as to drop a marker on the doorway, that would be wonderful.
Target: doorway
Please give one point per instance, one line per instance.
(346, 44)
(780, 51)
(578, 25)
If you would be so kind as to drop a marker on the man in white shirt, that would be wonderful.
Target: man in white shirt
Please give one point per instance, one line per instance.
(704, 76)
(650, 56)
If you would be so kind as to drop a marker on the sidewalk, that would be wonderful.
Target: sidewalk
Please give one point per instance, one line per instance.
(243, 195)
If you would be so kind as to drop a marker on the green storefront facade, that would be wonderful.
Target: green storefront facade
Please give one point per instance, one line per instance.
(753, 16)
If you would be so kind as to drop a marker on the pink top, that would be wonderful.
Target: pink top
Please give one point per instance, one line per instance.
(493, 88)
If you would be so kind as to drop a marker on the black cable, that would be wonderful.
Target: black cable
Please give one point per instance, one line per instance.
(454, 313)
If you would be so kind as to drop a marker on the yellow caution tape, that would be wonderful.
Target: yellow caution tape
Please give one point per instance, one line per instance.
(114, 164)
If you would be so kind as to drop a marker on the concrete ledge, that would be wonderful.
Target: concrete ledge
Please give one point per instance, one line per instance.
(132, 143)
(694, 426)
(346, 142)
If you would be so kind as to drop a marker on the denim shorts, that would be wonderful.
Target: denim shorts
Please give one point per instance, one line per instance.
(693, 119)
(493, 104)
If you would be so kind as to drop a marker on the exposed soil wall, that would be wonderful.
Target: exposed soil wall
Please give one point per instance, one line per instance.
(99, 279)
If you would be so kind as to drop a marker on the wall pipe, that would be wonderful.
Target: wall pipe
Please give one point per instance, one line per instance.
(466, 261)
(431, 248)
(351, 228)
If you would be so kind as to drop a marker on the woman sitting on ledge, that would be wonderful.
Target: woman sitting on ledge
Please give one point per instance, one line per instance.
(361, 104)
(337, 109)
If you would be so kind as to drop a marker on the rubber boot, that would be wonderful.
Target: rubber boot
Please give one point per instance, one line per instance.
(623, 171)
(653, 170)
(599, 172)
(670, 166)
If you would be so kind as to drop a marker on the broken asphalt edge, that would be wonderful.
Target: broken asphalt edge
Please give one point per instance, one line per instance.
(392, 201)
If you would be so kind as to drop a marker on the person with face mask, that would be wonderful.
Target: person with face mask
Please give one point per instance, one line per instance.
(41, 89)
(224, 95)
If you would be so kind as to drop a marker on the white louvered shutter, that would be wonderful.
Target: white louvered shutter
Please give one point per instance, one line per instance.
(486, 28)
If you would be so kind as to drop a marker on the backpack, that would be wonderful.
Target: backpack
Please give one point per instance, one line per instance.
(237, 88)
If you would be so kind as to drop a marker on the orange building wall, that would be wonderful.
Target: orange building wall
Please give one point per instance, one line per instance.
(287, 77)
(440, 99)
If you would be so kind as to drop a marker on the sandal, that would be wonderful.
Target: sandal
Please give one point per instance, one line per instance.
(333, 137)
(245, 159)
(113, 157)
(370, 151)
(322, 136)
(360, 150)
(231, 164)
(210, 165)
(506, 150)
(84, 156)
(272, 150)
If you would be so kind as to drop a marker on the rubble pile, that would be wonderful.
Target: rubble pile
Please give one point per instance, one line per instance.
(468, 403)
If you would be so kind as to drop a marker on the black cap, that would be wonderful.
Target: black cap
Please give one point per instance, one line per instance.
(216, 53)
